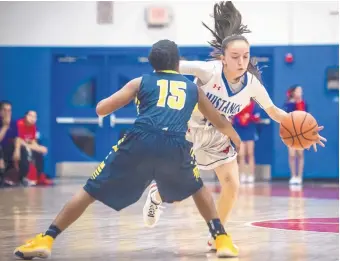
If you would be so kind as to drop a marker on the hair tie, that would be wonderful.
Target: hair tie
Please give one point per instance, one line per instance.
(289, 93)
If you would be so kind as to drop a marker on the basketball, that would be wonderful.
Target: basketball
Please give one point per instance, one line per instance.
(299, 130)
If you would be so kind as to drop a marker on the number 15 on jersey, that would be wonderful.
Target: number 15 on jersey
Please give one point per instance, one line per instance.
(172, 94)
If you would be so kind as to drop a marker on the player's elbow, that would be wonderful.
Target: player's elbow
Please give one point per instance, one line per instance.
(99, 112)
(101, 109)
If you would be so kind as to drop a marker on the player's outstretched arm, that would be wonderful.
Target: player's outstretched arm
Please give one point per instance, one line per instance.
(201, 70)
(220, 122)
(119, 99)
(261, 96)
(276, 113)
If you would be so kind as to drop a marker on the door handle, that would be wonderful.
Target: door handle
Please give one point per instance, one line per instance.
(114, 120)
(79, 120)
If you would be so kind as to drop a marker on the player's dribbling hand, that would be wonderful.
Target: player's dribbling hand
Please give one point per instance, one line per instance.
(319, 141)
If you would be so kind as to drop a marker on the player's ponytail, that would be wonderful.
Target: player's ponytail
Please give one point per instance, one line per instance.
(228, 27)
(228, 23)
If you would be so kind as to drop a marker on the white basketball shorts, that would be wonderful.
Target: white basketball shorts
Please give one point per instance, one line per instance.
(211, 148)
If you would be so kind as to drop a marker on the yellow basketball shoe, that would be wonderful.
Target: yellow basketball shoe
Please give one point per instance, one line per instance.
(212, 245)
(225, 246)
(40, 246)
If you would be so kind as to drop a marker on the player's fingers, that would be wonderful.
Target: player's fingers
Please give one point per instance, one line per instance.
(320, 128)
(321, 144)
(315, 148)
(322, 138)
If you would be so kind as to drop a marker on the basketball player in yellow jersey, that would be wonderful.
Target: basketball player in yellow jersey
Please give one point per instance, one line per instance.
(166, 102)
(229, 81)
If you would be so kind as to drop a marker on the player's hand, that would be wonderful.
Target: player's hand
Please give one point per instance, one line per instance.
(319, 141)
(237, 142)
(42, 149)
(16, 155)
(38, 148)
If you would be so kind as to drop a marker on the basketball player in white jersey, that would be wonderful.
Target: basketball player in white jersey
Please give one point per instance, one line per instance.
(229, 82)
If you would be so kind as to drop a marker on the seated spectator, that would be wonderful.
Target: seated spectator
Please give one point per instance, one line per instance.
(14, 154)
(27, 132)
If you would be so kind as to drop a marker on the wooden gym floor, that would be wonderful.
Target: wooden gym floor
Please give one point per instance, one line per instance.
(270, 222)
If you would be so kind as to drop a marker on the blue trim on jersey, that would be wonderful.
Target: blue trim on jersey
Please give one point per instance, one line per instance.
(229, 91)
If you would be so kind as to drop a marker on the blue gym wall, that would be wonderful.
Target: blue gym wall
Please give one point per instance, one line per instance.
(25, 80)
(309, 70)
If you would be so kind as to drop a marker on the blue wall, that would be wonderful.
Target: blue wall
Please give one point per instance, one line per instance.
(309, 70)
(25, 79)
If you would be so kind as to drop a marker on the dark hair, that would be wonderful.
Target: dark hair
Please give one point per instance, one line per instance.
(3, 103)
(291, 90)
(164, 55)
(228, 28)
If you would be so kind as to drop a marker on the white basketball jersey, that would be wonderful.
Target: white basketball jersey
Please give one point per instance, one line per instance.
(221, 94)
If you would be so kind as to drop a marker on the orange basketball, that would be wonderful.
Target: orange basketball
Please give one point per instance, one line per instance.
(299, 130)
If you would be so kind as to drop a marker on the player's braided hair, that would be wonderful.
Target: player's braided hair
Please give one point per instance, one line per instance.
(228, 28)
(164, 55)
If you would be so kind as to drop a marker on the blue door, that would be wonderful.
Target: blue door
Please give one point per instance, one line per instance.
(78, 83)
(122, 69)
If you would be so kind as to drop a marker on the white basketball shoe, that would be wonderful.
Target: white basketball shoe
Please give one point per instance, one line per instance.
(152, 209)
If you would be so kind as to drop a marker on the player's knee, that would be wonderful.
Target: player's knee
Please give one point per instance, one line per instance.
(229, 183)
(84, 196)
